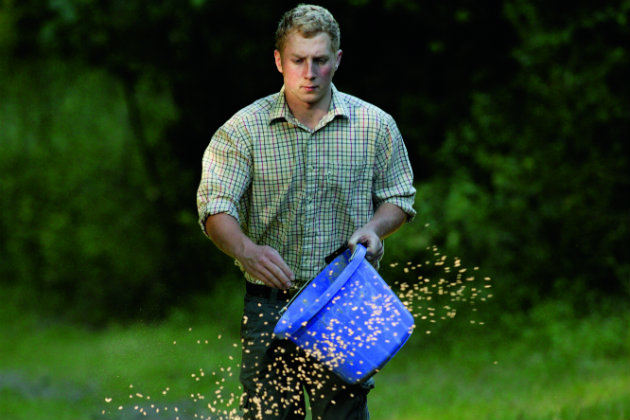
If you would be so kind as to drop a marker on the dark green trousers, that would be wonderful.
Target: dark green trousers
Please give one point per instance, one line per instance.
(275, 374)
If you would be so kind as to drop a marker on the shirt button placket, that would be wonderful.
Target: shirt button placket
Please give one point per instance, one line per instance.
(310, 227)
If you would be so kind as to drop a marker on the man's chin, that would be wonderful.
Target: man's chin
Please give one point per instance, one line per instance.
(312, 99)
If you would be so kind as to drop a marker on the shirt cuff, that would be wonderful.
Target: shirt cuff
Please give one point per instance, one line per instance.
(404, 203)
(220, 205)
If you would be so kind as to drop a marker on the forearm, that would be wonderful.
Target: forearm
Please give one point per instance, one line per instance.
(387, 219)
(226, 234)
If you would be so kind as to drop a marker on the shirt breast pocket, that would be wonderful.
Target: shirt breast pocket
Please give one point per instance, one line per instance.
(346, 186)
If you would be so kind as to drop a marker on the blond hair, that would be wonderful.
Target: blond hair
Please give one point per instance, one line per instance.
(309, 20)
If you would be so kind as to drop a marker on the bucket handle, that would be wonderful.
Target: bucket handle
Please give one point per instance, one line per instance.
(357, 257)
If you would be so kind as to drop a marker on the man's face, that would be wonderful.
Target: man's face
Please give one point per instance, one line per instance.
(308, 66)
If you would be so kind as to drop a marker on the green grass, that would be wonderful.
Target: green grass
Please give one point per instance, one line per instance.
(482, 379)
(59, 371)
(547, 367)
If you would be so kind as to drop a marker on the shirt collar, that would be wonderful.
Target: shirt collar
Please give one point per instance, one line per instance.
(338, 107)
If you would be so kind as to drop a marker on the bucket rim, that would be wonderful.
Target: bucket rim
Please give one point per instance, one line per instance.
(355, 260)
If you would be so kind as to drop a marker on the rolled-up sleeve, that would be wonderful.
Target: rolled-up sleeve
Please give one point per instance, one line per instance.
(225, 176)
(393, 179)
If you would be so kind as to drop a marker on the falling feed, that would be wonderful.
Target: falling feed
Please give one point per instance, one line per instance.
(436, 290)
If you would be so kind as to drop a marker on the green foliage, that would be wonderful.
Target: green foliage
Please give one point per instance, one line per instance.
(78, 215)
(533, 183)
(515, 116)
(549, 160)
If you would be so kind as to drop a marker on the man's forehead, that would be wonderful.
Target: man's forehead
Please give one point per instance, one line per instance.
(298, 43)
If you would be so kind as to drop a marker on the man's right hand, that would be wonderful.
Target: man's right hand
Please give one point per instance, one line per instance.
(266, 264)
(262, 262)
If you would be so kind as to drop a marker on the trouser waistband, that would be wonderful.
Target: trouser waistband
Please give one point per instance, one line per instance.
(270, 293)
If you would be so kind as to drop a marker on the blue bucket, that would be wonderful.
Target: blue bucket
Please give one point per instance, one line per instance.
(348, 318)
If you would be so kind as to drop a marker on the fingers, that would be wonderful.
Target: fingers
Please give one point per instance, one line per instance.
(285, 270)
(355, 239)
(279, 275)
(271, 277)
(265, 264)
(371, 241)
(374, 251)
(282, 275)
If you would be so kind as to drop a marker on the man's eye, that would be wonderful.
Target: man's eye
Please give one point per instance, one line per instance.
(298, 60)
(321, 60)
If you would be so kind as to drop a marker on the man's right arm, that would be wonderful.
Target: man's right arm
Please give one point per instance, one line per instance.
(262, 262)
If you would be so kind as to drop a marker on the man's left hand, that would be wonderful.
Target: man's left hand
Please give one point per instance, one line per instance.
(368, 238)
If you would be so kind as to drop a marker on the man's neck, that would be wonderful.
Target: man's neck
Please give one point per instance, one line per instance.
(310, 114)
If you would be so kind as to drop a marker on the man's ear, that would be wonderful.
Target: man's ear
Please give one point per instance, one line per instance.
(278, 58)
(338, 59)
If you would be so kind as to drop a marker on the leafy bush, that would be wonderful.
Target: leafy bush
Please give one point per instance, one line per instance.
(515, 117)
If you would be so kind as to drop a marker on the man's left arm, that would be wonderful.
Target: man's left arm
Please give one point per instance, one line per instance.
(386, 220)
(392, 193)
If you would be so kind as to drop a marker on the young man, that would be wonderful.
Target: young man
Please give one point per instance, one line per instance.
(285, 182)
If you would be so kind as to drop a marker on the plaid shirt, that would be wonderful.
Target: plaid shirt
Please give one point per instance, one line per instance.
(305, 192)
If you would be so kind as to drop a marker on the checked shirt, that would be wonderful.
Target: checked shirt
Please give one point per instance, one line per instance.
(304, 192)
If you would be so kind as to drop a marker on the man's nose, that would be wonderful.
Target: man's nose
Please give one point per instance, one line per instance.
(309, 69)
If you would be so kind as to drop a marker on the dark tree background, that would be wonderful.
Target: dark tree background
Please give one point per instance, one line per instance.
(515, 115)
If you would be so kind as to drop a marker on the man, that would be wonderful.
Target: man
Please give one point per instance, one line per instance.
(285, 182)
